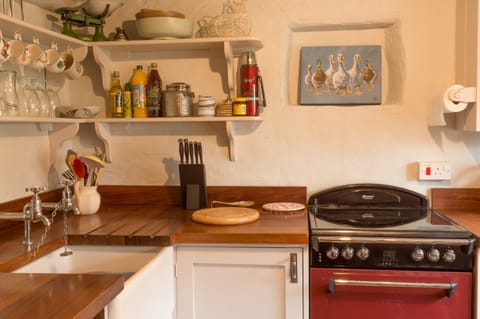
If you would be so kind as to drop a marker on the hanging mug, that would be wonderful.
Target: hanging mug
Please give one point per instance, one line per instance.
(37, 54)
(73, 69)
(10, 49)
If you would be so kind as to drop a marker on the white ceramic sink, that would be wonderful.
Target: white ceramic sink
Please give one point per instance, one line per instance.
(149, 287)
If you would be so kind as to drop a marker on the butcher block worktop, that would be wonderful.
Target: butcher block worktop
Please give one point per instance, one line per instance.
(137, 215)
(461, 205)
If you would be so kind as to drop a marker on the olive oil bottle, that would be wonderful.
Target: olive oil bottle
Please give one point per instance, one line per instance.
(116, 96)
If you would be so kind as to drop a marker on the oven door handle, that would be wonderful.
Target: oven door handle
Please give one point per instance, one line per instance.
(450, 287)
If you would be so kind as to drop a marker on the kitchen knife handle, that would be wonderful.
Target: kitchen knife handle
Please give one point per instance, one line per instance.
(200, 152)
(191, 152)
(195, 147)
(187, 153)
(180, 149)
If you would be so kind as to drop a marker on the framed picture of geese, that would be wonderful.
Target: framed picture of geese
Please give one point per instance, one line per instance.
(340, 75)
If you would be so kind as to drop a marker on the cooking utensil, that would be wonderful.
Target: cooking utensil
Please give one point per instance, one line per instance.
(71, 156)
(195, 149)
(185, 147)
(181, 149)
(190, 147)
(200, 152)
(78, 168)
(240, 203)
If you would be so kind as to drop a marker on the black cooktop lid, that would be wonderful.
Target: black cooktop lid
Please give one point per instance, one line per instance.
(368, 205)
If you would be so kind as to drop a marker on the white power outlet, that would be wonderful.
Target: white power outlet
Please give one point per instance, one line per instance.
(434, 171)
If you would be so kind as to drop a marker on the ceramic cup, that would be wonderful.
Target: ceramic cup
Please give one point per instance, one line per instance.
(11, 49)
(38, 57)
(52, 53)
(58, 65)
(87, 198)
(73, 69)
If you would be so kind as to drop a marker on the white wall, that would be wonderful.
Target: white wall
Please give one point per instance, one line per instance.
(316, 146)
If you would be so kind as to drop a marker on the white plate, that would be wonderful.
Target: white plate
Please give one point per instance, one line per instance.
(283, 207)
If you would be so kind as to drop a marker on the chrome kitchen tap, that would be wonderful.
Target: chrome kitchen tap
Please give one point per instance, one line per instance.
(33, 210)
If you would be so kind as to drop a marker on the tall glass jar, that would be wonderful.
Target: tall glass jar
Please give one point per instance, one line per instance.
(8, 80)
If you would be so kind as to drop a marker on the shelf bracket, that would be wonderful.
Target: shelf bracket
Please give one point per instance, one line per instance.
(230, 129)
(103, 133)
(59, 133)
(104, 62)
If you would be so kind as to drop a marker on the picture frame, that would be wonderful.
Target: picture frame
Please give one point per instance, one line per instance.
(340, 75)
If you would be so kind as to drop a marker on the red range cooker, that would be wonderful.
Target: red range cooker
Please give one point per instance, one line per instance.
(378, 252)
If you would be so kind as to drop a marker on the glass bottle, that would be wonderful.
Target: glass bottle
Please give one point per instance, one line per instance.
(127, 100)
(154, 92)
(116, 96)
(139, 96)
(8, 87)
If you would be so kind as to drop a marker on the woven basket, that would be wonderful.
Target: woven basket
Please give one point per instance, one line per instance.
(229, 25)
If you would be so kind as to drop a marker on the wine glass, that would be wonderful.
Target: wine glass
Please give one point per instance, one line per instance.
(29, 101)
(40, 88)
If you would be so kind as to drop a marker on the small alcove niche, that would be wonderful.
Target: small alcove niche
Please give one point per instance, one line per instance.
(384, 34)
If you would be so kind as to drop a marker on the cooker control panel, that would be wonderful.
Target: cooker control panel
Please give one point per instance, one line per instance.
(389, 255)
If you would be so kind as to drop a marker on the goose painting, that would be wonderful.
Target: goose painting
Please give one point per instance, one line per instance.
(353, 75)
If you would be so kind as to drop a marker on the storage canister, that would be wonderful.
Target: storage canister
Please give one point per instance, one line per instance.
(178, 100)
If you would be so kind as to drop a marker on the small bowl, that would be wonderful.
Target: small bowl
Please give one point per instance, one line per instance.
(97, 7)
(77, 112)
(164, 28)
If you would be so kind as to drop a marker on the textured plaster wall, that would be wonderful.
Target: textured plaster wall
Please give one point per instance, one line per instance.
(316, 146)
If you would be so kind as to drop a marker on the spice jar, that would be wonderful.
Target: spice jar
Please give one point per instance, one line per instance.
(178, 100)
(239, 106)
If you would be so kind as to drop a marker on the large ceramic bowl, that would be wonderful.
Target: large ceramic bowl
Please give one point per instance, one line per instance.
(95, 8)
(52, 5)
(164, 28)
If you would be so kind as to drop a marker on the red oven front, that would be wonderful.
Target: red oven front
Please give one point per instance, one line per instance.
(389, 294)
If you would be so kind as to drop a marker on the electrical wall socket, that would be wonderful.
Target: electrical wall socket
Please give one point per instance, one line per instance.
(434, 171)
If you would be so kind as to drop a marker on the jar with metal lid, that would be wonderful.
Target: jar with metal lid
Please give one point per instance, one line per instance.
(239, 106)
(178, 100)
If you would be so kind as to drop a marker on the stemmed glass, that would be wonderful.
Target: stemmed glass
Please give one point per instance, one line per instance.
(53, 98)
(40, 88)
(29, 102)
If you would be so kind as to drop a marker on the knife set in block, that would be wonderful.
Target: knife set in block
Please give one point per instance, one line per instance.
(193, 184)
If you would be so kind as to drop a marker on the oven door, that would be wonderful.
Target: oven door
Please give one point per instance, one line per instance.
(392, 294)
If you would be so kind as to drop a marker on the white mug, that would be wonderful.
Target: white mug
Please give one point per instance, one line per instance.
(38, 57)
(52, 53)
(59, 64)
(73, 69)
(11, 49)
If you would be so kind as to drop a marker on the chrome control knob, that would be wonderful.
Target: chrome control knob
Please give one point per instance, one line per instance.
(433, 255)
(347, 253)
(449, 256)
(363, 253)
(332, 252)
(418, 254)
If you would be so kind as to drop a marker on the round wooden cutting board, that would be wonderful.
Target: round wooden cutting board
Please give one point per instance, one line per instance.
(225, 215)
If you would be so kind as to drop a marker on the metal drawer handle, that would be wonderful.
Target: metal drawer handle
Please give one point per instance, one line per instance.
(293, 268)
(449, 287)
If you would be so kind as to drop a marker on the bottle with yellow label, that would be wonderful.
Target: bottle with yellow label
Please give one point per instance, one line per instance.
(139, 95)
(127, 100)
(116, 96)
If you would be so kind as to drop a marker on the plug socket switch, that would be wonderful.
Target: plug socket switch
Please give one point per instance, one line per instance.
(434, 171)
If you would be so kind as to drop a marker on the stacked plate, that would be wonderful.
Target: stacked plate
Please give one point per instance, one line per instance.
(224, 108)
(206, 106)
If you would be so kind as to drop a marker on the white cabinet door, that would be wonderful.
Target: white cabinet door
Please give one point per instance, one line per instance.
(240, 282)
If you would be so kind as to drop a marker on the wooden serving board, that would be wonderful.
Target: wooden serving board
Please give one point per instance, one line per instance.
(225, 215)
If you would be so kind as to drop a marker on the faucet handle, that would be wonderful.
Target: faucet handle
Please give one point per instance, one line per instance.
(35, 190)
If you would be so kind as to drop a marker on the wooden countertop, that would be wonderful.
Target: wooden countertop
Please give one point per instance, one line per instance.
(144, 215)
(45, 296)
(461, 205)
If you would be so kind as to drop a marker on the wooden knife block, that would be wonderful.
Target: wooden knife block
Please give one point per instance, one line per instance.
(193, 186)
